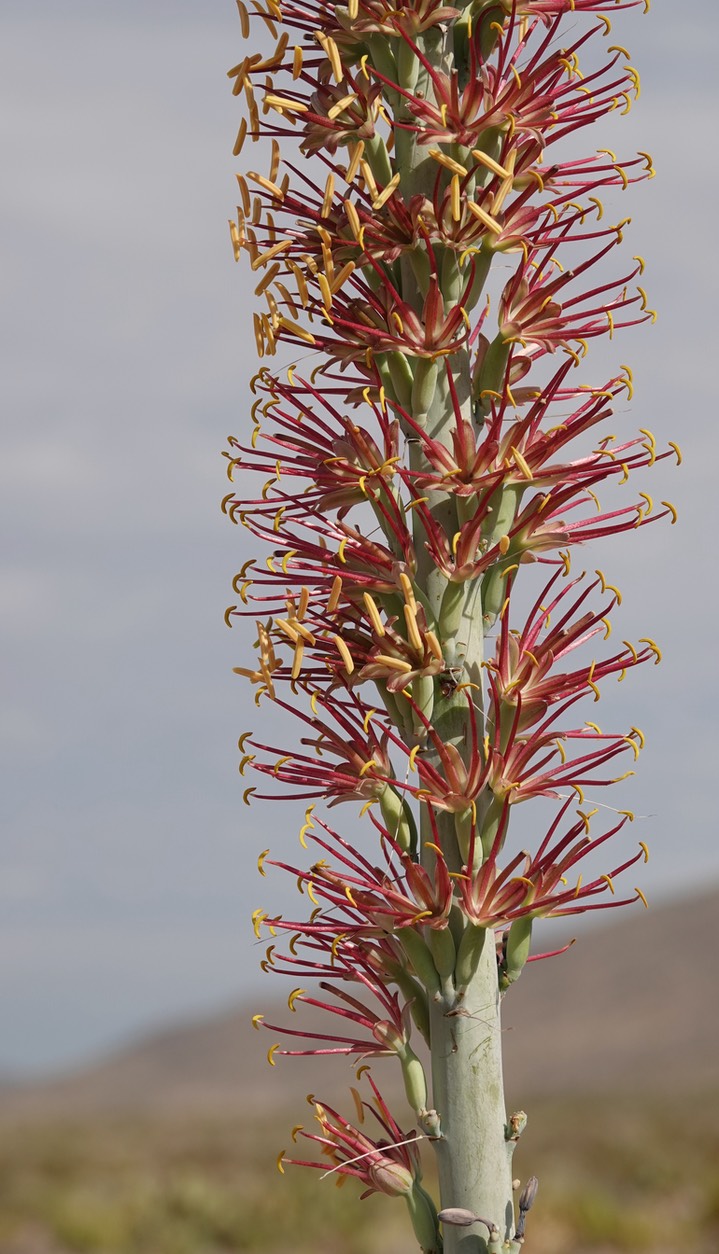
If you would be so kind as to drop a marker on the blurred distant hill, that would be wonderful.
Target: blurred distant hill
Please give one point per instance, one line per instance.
(632, 1007)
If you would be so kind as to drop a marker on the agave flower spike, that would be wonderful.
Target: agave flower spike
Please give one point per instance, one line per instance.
(432, 263)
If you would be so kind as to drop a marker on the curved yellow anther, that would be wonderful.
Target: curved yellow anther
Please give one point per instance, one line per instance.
(256, 1021)
(374, 614)
(296, 992)
(609, 882)
(594, 726)
(261, 860)
(672, 510)
(654, 648)
(413, 758)
(677, 451)
(638, 891)
(640, 736)
(247, 794)
(344, 653)
(644, 849)
(367, 767)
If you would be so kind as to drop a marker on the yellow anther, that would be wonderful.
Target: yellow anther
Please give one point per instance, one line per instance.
(247, 794)
(296, 992)
(413, 633)
(455, 198)
(413, 758)
(434, 645)
(366, 806)
(256, 1021)
(580, 794)
(367, 720)
(609, 882)
(374, 613)
(271, 1060)
(595, 689)
(609, 587)
(367, 767)
(561, 750)
(350, 898)
(654, 648)
(261, 860)
(638, 891)
(258, 918)
(448, 162)
(644, 850)
(313, 703)
(672, 510)
(311, 894)
(522, 463)
(393, 663)
(335, 594)
(344, 653)
(407, 590)
(648, 500)
(389, 190)
(485, 218)
(678, 452)
(297, 659)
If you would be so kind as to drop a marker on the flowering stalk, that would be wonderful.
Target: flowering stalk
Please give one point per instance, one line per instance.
(422, 442)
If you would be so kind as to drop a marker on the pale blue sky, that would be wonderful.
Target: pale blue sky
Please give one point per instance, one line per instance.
(126, 856)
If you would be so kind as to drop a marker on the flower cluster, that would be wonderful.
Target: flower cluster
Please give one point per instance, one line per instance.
(430, 271)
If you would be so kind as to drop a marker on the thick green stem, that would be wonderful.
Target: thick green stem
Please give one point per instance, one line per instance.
(473, 1153)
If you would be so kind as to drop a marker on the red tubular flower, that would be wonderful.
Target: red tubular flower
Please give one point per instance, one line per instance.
(388, 1164)
(536, 886)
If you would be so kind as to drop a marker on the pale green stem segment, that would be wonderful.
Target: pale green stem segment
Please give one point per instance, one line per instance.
(458, 966)
(474, 1154)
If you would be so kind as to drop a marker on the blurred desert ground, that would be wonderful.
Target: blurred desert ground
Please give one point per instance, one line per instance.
(168, 1146)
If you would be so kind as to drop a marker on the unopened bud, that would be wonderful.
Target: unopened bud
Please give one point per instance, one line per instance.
(391, 1178)
(458, 1217)
(526, 1200)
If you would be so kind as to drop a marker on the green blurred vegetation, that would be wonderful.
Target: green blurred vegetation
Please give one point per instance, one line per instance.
(615, 1175)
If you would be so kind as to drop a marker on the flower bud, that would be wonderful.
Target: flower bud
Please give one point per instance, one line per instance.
(390, 1177)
